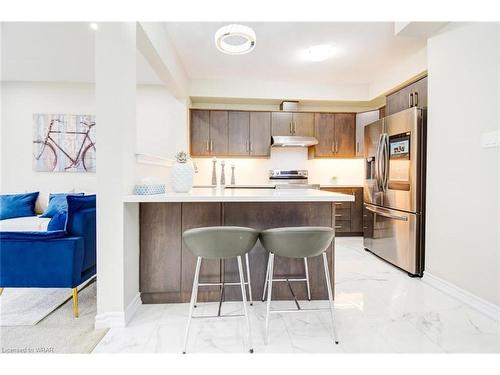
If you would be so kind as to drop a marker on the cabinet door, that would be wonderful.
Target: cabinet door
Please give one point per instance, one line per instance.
(398, 101)
(363, 119)
(420, 88)
(239, 130)
(357, 210)
(345, 134)
(303, 124)
(218, 133)
(282, 123)
(200, 132)
(260, 133)
(324, 133)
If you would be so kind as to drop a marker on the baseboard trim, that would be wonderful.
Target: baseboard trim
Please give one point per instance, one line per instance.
(118, 318)
(487, 308)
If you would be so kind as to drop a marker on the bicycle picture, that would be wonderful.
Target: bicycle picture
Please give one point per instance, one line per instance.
(65, 145)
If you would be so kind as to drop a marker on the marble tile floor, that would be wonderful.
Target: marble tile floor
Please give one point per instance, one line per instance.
(379, 309)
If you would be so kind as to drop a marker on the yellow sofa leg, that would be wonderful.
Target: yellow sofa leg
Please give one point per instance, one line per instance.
(1, 291)
(75, 302)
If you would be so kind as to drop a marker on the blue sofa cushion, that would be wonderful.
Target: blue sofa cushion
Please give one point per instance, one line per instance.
(32, 236)
(57, 222)
(58, 204)
(17, 205)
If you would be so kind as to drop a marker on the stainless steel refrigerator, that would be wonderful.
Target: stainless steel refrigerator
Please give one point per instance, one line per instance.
(394, 189)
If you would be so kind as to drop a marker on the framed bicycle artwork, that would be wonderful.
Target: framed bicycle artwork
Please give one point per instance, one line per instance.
(64, 143)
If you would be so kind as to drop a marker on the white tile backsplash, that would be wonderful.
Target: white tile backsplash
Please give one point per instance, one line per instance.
(255, 171)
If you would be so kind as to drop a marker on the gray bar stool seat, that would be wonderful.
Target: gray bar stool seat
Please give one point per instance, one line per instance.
(297, 242)
(222, 242)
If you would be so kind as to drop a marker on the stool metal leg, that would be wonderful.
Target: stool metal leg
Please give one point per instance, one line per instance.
(269, 293)
(330, 295)
(265, 281)
(245, 307)
(307, 280)
(194, 296)
(248, 279)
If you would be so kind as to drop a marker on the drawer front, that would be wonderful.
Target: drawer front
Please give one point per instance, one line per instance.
(342, 226)
(342, 205)
(342, 214)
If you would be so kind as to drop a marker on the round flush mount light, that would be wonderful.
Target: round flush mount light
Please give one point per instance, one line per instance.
(93, 26)
(320, 52)
(235, 39)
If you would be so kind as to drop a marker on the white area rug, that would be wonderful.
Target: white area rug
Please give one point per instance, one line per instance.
(27, 306)
(59, 332)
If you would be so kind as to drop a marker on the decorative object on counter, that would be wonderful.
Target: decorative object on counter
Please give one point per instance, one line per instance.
(182, 173)
(222, 173)
(233, 179)
(149, 186)
(214, 171)
(334, 179)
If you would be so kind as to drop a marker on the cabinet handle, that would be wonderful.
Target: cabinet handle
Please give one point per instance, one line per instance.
(357, 147)
(410, 100)
(336, 147)
(250, 148)
(338, 215)
(208, 145)
(338, 204)
(294, 127)
(338, 226)
(291, 131)
(211, 145)
(415, 94)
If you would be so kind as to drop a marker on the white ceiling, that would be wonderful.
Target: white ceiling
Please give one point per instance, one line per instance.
(55, 51)
(365, 49)
(49, 51)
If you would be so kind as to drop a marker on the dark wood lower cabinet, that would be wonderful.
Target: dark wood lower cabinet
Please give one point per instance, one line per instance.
(167, 266)
(348, 215)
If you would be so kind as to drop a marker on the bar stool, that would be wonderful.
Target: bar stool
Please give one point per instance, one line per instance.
(223, 242)
(297, 242)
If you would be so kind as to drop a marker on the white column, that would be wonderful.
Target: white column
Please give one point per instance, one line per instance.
(117, 226)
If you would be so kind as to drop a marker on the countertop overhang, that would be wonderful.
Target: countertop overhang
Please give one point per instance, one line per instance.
(243, 195)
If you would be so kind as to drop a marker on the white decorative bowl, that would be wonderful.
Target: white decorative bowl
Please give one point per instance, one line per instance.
(149, 189)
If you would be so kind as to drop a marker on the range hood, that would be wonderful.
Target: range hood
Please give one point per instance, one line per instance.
(293, 141)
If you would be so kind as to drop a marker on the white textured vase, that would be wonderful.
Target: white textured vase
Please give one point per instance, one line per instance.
(182, 177)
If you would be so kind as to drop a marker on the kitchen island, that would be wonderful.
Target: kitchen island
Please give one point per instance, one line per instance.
(167, 267)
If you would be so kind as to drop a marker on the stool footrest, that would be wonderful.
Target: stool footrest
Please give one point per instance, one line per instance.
(220, 284)
(219, 316)
(288, 280)
(297, 310)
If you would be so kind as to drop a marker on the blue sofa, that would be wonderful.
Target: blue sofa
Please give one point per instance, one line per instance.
(53, 259)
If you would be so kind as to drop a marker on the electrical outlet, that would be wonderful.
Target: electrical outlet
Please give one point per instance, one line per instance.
(491, 139)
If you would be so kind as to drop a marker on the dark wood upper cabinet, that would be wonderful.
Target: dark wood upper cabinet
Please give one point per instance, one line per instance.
(219, 132)
(303, 124)
(282, 123)
(260, 133)
(413, 95)
(324, 129)
(239, 133)
(200, 133)
(345, 135)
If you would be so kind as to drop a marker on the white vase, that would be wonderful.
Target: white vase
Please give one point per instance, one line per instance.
(182, 177)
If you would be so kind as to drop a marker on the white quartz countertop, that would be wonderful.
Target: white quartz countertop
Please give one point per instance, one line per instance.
(244, 195)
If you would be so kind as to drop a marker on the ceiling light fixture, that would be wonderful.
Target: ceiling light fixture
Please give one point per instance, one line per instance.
(319, 53)
(235, 39)
(94, 26)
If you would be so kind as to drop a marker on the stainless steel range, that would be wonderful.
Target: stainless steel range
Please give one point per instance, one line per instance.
(291, 179)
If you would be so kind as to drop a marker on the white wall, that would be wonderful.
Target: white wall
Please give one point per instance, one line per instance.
(19, 102)
(463, 179)
(161, 131)
(255, 171)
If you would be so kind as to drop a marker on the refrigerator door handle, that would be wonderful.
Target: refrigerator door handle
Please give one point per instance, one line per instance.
(385, 161)
(377, 163)
(386, 214)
